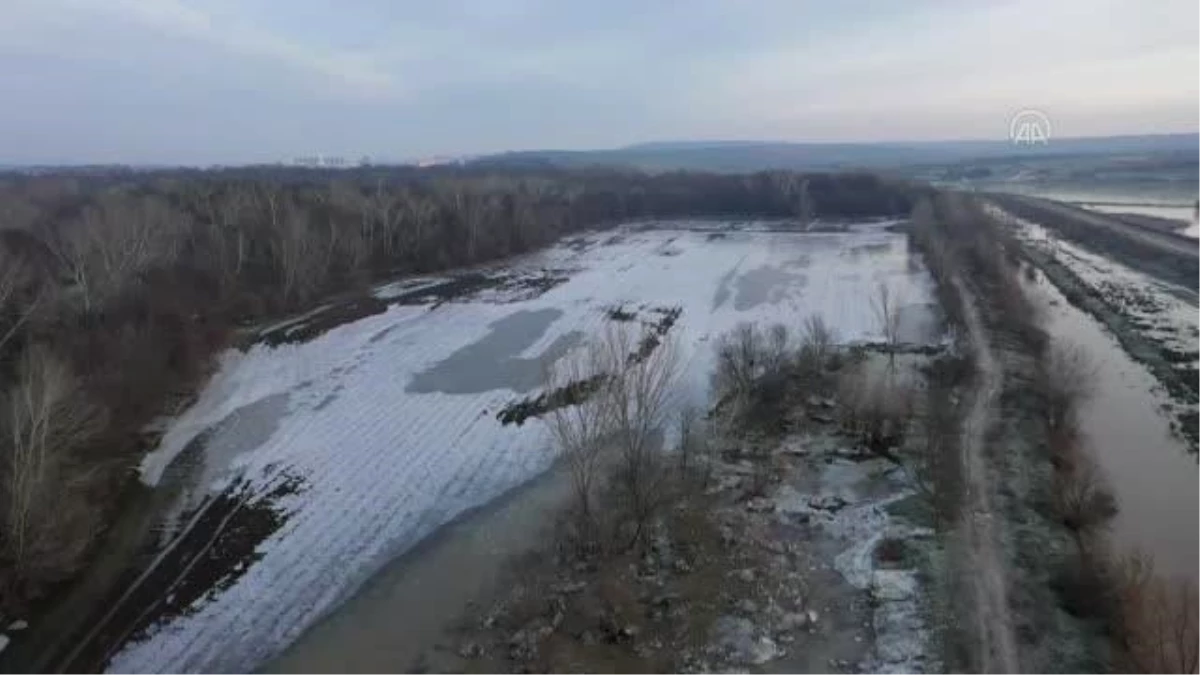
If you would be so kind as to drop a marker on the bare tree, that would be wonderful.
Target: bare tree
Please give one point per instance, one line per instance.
(45, 417)
(638, 396)
(740, 356)
(887, 312)
(1082, 496)
(624, 413)
(580, 431)
(876, 408)
(1157, 628)
(19, 298)
(816, 343)
(115, 240)
(1065, 381)
(223, 230)
(805, 209)
(300, 259)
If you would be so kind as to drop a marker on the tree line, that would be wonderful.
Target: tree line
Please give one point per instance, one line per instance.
(117, 287)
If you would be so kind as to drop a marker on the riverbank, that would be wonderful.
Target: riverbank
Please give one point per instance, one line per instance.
(798, 550)
(1012, 515)
(1154, 322)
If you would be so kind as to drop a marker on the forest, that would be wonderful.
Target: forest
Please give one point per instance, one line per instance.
(118, 286)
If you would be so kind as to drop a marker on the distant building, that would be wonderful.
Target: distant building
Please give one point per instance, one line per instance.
(321, 162)
(437, 161)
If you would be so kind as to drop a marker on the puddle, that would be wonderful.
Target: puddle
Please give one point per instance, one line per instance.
(765, 285)
(492, 362)
(1151, 473)
(378, 629)
(917, 323)
(208, 459)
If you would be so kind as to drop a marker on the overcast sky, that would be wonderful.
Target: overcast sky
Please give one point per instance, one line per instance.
(225, 81)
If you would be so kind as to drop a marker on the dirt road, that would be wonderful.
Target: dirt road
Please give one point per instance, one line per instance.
(996, 647)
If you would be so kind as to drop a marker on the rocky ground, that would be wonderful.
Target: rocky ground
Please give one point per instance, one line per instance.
(799, 554)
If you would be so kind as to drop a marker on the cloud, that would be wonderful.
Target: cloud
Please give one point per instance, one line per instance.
(109, 26)
(240, 80)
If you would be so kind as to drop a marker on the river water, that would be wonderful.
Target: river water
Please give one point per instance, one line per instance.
(1149, 469)
(400, 615)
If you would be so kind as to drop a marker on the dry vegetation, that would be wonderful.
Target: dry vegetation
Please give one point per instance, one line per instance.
(611, 441)
(647, 557)
(1151, 620)
(964, 248)
(1157, 621)
(117, 287)
(636, 536)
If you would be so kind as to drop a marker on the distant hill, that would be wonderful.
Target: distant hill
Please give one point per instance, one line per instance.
(731, 156)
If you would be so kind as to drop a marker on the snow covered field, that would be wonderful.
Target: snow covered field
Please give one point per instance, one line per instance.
(388, 423)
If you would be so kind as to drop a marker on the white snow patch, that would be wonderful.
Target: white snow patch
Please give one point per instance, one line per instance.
(384, 467)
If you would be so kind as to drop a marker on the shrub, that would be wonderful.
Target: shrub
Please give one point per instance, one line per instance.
(1064, 381)
(817, 342)
(1082, 497)
(876, 407)
(616, 428)
(1084, 586)
(1156, 629)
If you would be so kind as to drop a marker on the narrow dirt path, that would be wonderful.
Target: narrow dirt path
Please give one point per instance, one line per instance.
(996, 648)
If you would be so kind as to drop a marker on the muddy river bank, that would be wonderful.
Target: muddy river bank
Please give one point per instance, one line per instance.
(1140, 338)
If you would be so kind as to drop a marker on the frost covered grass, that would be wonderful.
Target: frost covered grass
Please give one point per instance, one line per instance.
(1154, 321)
(390, 421)
(1158, 307)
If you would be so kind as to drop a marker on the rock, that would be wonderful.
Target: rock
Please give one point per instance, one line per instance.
(523, 645)
(828, 403)
(793, 621)
(893, 585)
(794, 447)
(775, 546)
(759, 505)
(19, 624)
(821, 418)
(788, 498)
(741, 641)
(829, 503)
(470, 650)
